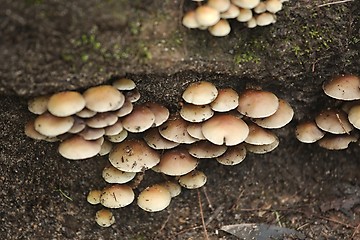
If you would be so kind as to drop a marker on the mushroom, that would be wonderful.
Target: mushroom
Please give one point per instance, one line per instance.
(160, 112)
(354, 116)
(273, 6)
(196, 113)
(248, 4)
(93, 197)
(206, 16)
(123, 84)
(233, 155)
(77, 148)
(117, 196)
(259, 136)
(118, 137)
(173, 187)
(205, 149)
(132, 95)
(200, 93)
(308, 132)
(337, 142)
(106, 147)
(114, 175)
(220, 29)
(192, 180)
(153, 138)
(101, 120)
(261, 149)
(125, 109)
(114, 129)
(51, 126)
(104, 218)
(139, 120)
(244, 15)
(66, 103)
(345, 87)
(133, 156)
(103, 98)
(232, 12)
(38, 105)
(86, 113)
(176, 130)
(154, 198)
(265, 19)
(226, 100)
(194, 130)
(189, 20)
(220, 5)
(333, 121)
(92, 133)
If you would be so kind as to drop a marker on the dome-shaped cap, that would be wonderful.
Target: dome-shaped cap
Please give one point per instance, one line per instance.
(233, 155)
(114, 175)
(196, 113)
(226, 100)
(354, 116)
(308, 132)
(175, 130)
(117, 196)
(200, 93)
(333, 121)
(124, 84)
(103, 98)
(51, 126)
(104, 218)
(38, 105)
(66, 103)
(205, 149)
(248, 4)
(154, 198)
(139, 120)
(153, 138)
(192, 180)
(176, 162)
(337, 142)
(259, 136)
(77, 148)
(207, 16)
(346, 87)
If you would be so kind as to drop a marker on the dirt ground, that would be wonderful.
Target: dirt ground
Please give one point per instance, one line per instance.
(48, 46)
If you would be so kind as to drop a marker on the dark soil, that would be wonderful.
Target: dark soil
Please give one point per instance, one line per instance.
(48, 46)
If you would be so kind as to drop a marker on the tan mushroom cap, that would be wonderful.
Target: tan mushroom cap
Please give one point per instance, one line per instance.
(257, 103)
(124, 84)
(175, 130)
(117, 196)
(200, 93)
(189, 20)
(308, 132)
(78, 126)
(104, 218)
(225, 129)
(261, 149)
(86, 113)
(92, 133)
(233, 155)
(337, 142)
(280, 118)
(333, 121)
(260, 8)
(118, 137)
(354, 116)
(220, 5)
(205, 149)
(244, 15)
(226, 100)
(259, 136)
(38, 105)
(153, 138)
(273, 6)
(248, 4)
(232, 12)
(192, 180)
(77, 148)
(133, 156)
(32, 133)
(114, 129)
(103, 98)
(154, 198)
(265, 19)
(101, 120)
(66, 103)
(173, 187)
(132, 95)
(51, 126)
(160, 112)
(106, 147)
(346, 87)
(194, 130)
(207, 16)
(346, 106)
(93, 196)
(251, 23)
(139, 120)
(220, 29)
(196, 113)
(125, 109)
(177, 162)
(114, 175)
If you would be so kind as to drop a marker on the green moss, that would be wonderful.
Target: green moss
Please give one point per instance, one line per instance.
(246, 57)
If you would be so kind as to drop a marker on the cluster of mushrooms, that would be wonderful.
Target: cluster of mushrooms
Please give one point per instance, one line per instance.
(211, 123)
(335, 128)
(214, 15)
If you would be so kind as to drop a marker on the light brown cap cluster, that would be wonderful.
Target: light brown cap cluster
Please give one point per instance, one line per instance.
(214, 15)
(335, 128)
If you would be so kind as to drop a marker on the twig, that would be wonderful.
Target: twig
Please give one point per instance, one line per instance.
(164, 224)
(356, 231)
(207, 198)
(202, 216)
(333, 3)
(65, 195)
(337, 221)
(216, 212)
(235, 205)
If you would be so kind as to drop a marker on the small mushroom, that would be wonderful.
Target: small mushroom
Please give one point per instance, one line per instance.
(205, 149)
(77, 148)
(232, 12)
(265, 19)
(38, 105)
(333, 121)
(354, 116)
(51, 126)
(104, 218)
(66, 103)
(220, 29)
(192, 180)
(160, 112)
(103, 98)
(114, 175)
(206, 15)
(153, 138)
(345, 87)
(220, 5)
(93, 196)
(200, 93)
(139, 120)
(101, 120)
(117, 196)
(173, 187)
(337, 142)
(175, 130)
(226, 100)
(273, 6)
(244, 15)
(261, 149)
(259, 136)
(233, 155)
(123, 84)
(248, 4)
(308, 132)
(154, 198)
(189, 20)
(196, 113)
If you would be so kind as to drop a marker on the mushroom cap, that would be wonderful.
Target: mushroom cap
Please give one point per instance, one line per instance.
(66, 103)
(192, 180)
(220, 29)
(101, 120)
(93, 197)
(114, 129)
(124, 84)
(226, 100)
(273, 6)
(139, 120)
(51, 126)
(200, 93)
(38, 105)
(125, 109)
(248, 4)
(259, 136)
(78, 126)
(177, 162)
(176, 130)
(86, 113)
(220, 5)
(118, 137)
(233, 155)
(260, 8)
(132, 95)
(153, 138)
(308, 132)
(160, 112)
(189, 20)
(133, 156)
(333, 121)
(206, 15)
(114, 175)
(92, 133)
(232, 12)
(103, 98)
(345, 87)
(154, 198)
(354, 116)
(244, 15)
(265, 18)
(104, 218)
(117, 196)
(257, 103)
(205, 149)
(196, 113)
(261, 149)
(225, 129)
(106, 147)
(337, 142)
(173, 187)
(251, 23)
(32, 133)
(194, 130)
(280, 118)
(77, 148)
